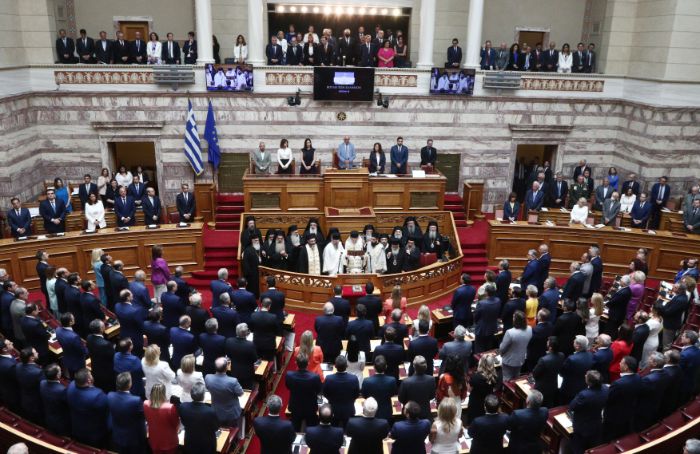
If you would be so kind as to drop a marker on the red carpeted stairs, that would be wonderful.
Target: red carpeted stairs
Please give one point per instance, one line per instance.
(473, 242)
(221, 245)
(455, 204)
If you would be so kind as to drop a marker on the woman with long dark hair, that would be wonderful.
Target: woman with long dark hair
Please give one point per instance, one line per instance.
(308, 158)
(377, 159)
(452, 383)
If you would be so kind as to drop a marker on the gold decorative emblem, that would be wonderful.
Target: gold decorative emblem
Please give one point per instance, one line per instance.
(341, 116)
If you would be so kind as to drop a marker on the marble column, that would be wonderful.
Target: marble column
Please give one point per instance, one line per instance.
(255, 33)
(476, 19)
(427, 34)
(205, 41)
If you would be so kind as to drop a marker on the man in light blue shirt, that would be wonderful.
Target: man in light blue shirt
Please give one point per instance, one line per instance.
(346, 154)
(224, 392)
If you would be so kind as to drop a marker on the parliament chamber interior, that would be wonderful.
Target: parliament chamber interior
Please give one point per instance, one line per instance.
(395, 226)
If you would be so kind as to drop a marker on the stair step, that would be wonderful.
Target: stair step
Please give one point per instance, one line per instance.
(220, 254)
(459, 215)
(474, 260)
(453, 198)
(216, 264)
(230, 198)
(461, 223)
(227, 217)
(230, 208)
(470, 251)
(228, 226)
(454, 207)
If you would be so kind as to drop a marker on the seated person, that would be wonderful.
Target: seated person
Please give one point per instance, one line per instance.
(579, 213)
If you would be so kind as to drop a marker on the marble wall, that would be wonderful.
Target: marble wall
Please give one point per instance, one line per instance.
(62, 134)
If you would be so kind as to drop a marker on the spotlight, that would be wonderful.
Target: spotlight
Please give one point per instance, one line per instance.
(280, 9)
(338, 10)
(351, 10)
(382, 101)
(327, 10)
(373, 11)
(362, 10)
(385, 11)
(294, 100)
(316, 9)
(396, 12)
(304, 9)
(293, 9)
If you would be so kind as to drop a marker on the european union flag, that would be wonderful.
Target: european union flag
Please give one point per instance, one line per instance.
(212, 138)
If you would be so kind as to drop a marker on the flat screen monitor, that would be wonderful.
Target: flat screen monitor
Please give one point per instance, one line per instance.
(447, 81)
(229, 77)
(334, 83)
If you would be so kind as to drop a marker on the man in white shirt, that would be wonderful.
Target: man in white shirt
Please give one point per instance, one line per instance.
(333, 256)
(376, 256)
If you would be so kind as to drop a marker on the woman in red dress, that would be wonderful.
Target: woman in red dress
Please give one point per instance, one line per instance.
(620, 348)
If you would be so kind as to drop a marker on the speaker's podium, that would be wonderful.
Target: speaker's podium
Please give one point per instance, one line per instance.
(348, 219)
(346, 188)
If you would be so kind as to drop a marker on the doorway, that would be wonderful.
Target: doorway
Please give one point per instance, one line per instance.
(129, 28)
(531, 38)
(449, 165)
(134, 154)
(231, 170)
(529, 157)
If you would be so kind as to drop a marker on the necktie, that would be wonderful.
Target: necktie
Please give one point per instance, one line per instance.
(150, 199)
(534, 196)
(84, 42)
(695, 212)
(53, 206)
(138, 46)
(185, 194)
(121, 43)
(104, 45)
(64, 42)
(170, 49)
(589, 59)
(559, 188)
(18, 212)
(488, 55)
(661, 194)
(124, 200)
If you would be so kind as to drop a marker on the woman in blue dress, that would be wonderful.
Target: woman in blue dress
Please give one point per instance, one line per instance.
(613, 178)
(62, 193)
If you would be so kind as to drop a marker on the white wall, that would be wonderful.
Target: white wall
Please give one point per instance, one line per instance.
(26, 31)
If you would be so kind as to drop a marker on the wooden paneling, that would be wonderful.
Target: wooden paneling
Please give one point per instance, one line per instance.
(473, 196)
(407, 193)
(182, 246)
(205, 197)
(567, 244)
(231, 171)
(283, 193)
(449, 165)
(346, 188)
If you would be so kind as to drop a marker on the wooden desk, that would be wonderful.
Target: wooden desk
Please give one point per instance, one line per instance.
(566, 244)
(289, 322)
(442, 322)
(563, 424)
(181, 246)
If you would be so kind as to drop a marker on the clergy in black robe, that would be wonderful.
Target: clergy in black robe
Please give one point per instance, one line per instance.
(395, 257)
(251, 260)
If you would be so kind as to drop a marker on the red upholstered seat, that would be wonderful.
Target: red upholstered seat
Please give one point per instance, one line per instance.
(631, 441)
(675, 421)
(604, 449)
(692, 410)
(654, 432)
(427, 259)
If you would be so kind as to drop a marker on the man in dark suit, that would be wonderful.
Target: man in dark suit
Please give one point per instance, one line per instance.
(603, 356)
(125, 209)
(29, 376)
(639, 336)
(641, 211)
(304, 387)
(341, 306)
(226, 316)
(424, 345)
(603, 193)
(19, 219)
(54, 399)
(373, 305)
(673, 313)
(399, 158)
(9, 388)
(189, 49)
(346, 48)
(503, 280)
(573, 289)
(312, 55)
(276, 298)
(568, 326)
(120, 50)
(200, 422)
(574, 369)
(622, 400)
(581, 168)
(85, 47)
(458, 347)
(428, 155)
(689, 363)
(590, 64)
(487, 431)
(368, 52)
(186, 205)
(486, 318)
(531, 273)
(106, 271)
(597, 264)
(173, 306)
(550, 298)
(419, 387)
(362, 329)
(101, 353)
(461, 303)
(546, 372)
(660, 194)
(197, 314)
(329, 331)
(221, 285)
(265, 327)
(381, 387)
(103, 49)
(534, 198)
(183, 289)
(654, 385)
(35, 333)
(587, 408)
(324, 438)
(631, 183)
(273, 51)
(137, 50)
(152, 207)
(341, 389)
(89, 411)
(410, 433)
(242, 299)
(454, 55)
(558, 191)
(579, 59)
(487, 57)
(673, 397)
(156, 333)
(53, 212)
(276, 435)
(617, 307)
(131, 320)
(72, 299)
(87, 188)
(170, 55)
(551, 58)
(367, 432)
(212, 345)
(243, 356)
(74, 352)
(182, 340)
(537, 346)
(295, 53)
(127, 417)
(65, 48)
(526, 425)
(118, 281)
(691, 218)
(397, 323)
(136, 190)
(392, 351)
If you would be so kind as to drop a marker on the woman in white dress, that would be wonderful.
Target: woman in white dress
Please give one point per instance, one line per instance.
(446, 429)
(627, 201)
(102, 183)
(240, 52)
(124, 177)
(51, 289)
(423, 314)
(95, 213)
(356, 359)
(156, 371)
(595, 312)
(655, 323)
(154, 49)
(284, 158)
(579, 213)
(187, 377)
(565, 59)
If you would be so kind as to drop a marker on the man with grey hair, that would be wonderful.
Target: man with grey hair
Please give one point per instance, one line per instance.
(458, 347)
(21, 448)
(672, 313)
(212, 345)
(419, 388)
(117, 280)
(587, 408)
(689, 362)
(220, 285)
(531, 273)
(573, 289)
(225, 392)
(526, 425)
(544, 260)
(503, 280)
(329, 331)
(654, 386)
(183, 288)
(534, 197)
(367, 432)
(549, 298)
(140, 291)
(603, 356)
(486, 317)
(690, 197)
(596, 263)
(226, 316)
(243, 356)
(197, 314)
(3, 275)
(275, 434)
(200, 421)
(692, 446)
(17, 311)
(573, 371)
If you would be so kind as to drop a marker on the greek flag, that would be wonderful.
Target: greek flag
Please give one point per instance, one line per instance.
(193, 149)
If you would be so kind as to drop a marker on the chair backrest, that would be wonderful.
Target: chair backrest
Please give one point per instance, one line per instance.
(533, 216)
(631, 441)
(676, 420)
(499, 214)
(654, 432)
(590, 220)
(618, 220)
(428, 259)
(605, 449)
(336, 160)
